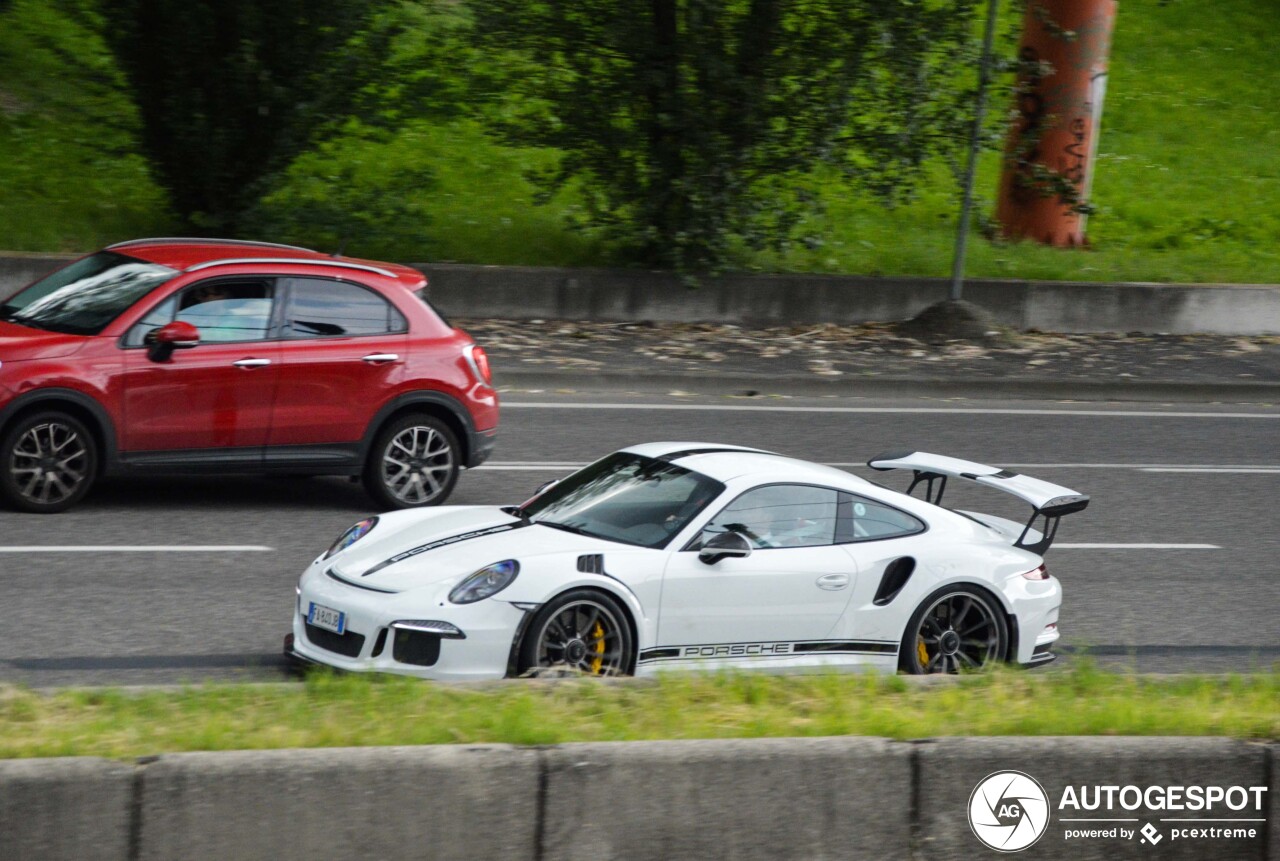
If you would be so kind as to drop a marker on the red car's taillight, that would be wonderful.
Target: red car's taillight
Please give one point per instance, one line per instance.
(479, 362)
(1040, 573)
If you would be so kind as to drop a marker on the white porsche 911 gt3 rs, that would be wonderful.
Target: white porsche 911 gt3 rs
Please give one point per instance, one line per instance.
(693, 555)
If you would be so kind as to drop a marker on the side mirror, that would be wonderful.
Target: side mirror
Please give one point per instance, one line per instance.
(724, 545)
(178, 335)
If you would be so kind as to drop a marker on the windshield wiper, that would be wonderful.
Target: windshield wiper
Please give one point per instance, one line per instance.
(6, 312)
(576, 530)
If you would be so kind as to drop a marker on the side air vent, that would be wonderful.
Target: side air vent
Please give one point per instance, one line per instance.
(895, 577)
(591, 563)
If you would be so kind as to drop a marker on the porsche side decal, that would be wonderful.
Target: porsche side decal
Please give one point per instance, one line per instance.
(702, 652)
(441, 542)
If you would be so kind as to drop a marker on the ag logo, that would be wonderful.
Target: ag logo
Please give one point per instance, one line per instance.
(1008, 811)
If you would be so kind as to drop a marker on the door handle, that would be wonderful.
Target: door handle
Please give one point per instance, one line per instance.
(251, 363)
(380, 358)
(832, 582)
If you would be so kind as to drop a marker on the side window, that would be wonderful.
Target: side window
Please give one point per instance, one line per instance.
(872, 520)
(321, 308)
(155, 318)
(226, 310)
(781, 515)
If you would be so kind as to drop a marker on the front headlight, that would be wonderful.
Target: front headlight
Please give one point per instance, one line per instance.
(352, 535)
(489, 580)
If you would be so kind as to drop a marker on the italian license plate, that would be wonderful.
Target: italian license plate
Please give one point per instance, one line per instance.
(327, 618)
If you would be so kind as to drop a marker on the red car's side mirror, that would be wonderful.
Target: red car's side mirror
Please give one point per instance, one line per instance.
(178, 335)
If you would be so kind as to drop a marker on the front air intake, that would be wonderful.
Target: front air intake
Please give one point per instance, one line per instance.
(415, 647)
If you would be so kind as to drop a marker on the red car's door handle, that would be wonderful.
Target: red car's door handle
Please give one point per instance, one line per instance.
(380, 358)
(251, 363)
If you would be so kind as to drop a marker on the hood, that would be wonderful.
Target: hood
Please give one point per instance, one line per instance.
(410, 550)
(18, 343)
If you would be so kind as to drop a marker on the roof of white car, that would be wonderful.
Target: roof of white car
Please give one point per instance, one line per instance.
(726, 462)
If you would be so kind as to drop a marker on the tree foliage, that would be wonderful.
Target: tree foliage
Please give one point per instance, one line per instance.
(230, 91)
(693, 125)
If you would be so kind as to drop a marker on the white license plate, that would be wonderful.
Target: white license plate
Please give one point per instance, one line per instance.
(327, 618)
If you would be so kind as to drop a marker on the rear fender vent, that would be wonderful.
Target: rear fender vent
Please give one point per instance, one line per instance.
(591, 563)
(895, 577)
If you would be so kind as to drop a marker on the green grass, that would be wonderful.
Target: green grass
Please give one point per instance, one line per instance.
(1187, 181)
(336, 711)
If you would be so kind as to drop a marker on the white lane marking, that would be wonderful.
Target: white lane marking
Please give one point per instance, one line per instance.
(1143, 466)
(536, 466)
(138, 548)
(742, 408)
(1256, 470)
(525, 467)
(1058, 546)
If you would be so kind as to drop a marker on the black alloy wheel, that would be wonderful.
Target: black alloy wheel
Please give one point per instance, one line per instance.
(580, 632)
(413, 463)
(957, 628)
(48, 462)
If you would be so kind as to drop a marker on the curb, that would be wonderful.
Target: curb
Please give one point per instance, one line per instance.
(1016, 388)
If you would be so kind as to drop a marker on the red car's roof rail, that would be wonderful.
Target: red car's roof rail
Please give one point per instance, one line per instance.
(293, 261)
(200, 240)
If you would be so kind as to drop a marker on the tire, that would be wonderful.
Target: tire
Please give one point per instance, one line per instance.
(48, 462)
(580, 632)
(413, 463)
(972, 615)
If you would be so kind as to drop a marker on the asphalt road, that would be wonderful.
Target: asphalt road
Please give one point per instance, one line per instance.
(1158, 475)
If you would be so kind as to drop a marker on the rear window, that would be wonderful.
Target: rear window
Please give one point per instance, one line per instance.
(322, 308)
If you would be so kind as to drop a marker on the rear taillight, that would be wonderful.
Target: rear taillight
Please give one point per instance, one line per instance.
(1040, 573)
(479, 362)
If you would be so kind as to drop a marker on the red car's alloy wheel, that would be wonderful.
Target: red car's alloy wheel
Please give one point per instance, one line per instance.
(414, 463)
(50, 460)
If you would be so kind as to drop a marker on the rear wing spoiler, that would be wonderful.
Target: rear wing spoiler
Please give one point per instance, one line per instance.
(1048, 501)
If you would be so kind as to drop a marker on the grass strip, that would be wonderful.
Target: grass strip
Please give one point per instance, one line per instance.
(341, 711)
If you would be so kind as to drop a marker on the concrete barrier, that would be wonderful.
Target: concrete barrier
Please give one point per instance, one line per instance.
(65, 809)
(18, 270)
(1273, 819)
(822, 798)
(524, 293)
(390, 803)
(766, 799)
(527, 293)
(950, 769)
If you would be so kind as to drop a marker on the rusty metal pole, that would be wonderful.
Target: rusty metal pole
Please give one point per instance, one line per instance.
(1053, 142)
(975, 140)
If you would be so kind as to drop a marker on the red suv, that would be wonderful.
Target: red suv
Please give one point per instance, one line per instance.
(206, 355)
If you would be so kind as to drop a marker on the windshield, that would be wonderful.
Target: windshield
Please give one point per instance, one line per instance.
(625, 497)
(81, 299)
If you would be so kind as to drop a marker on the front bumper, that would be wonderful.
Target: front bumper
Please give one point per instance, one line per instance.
(370, 643)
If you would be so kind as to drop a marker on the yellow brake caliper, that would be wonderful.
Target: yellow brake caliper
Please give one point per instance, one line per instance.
(597, 663)
(922, 652)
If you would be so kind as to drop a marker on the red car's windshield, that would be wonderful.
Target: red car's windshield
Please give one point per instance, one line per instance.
(81, 299)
